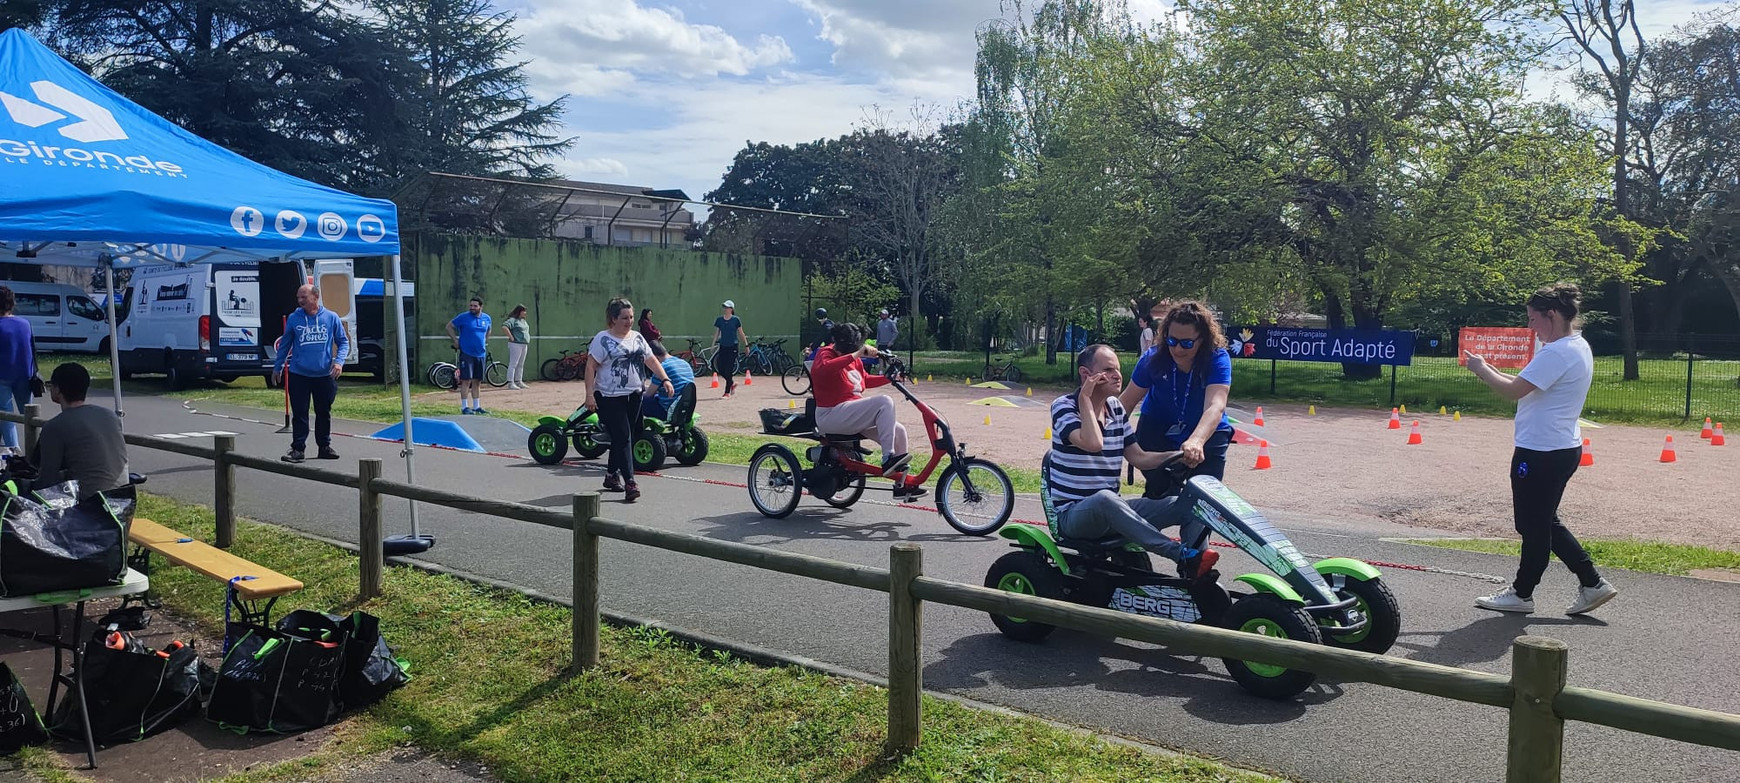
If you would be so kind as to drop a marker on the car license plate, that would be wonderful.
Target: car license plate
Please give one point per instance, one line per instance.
(244, 357)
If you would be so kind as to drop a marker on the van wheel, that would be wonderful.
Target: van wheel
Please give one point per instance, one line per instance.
(173, 373)
(103, 348)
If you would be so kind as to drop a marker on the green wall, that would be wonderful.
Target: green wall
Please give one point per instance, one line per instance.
(565, 286)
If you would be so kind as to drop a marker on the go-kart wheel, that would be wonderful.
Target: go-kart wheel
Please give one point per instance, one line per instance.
(588, 448)
(775, 481)
(796, 380)
(1028, 573)
(648, 452)
(547, 444)
(1383, 615)
(975, 496)
(694, 447)
(1272, 617)
(848, 493)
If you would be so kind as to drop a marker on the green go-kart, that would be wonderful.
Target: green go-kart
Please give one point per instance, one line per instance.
(676, 436)
(1337, 601)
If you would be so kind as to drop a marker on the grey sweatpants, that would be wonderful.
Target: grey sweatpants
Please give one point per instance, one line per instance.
(871, 416)
(1139, 520)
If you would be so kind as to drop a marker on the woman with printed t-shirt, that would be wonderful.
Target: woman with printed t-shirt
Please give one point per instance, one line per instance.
(1182, 384)
(1549, 394)
(617, 365)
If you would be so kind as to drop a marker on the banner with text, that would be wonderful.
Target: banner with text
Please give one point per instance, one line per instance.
(1503, 347)
(1354, 346)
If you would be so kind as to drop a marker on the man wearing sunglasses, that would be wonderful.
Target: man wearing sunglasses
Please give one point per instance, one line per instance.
(1182, 385)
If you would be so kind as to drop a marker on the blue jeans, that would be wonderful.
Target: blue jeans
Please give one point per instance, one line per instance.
(14, 395)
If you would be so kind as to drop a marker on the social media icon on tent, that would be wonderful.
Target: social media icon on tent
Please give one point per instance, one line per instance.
(331, 226)
(291, 224)
(370, 229)
(247, 221)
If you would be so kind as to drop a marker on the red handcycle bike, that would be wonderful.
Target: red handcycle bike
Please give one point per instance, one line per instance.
(973, 494)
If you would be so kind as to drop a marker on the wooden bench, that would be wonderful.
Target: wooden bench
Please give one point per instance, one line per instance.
(253, 588)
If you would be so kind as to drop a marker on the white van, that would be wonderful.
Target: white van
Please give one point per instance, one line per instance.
(217, 321)
(62, 317)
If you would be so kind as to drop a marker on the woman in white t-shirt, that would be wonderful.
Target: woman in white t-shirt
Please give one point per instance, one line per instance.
(617, 365)
(1549, 392)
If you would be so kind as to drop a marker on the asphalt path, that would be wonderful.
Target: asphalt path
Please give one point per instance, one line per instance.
(1665, 638)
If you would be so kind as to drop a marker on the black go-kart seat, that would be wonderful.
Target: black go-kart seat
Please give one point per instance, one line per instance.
(810, 413)
(1087, 547)
(683, 410)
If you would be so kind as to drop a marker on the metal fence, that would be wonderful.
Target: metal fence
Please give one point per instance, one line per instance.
(1679, 377)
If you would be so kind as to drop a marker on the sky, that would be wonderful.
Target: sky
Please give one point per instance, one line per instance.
(664, 94)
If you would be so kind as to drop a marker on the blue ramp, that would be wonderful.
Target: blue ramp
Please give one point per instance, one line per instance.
(433, 432)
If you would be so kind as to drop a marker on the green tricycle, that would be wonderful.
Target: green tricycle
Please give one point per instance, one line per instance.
(676, 436)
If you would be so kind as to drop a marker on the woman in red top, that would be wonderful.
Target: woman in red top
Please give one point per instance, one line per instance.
(839, 381)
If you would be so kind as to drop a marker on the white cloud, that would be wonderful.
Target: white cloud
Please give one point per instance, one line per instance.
(624, 35)
(901, 37)
(581, 167)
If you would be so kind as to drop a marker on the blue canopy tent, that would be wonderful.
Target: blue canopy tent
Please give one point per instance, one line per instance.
(92, 179)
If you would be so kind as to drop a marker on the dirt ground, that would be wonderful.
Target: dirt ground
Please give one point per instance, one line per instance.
(1340, 462)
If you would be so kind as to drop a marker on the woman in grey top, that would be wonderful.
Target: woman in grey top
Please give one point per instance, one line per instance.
(519, 334)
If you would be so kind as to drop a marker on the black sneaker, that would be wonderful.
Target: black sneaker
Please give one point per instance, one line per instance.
(294, 455)
(905, 493)
(326, 452)
(895, 464)
(612, 483)
(632, 493)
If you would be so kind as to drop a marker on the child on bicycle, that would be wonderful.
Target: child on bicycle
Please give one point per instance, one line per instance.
(842, 409)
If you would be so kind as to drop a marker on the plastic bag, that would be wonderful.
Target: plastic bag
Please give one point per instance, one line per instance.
(19, 723)
(371, 671)
(277, 680)
(51, 541)
(133, 691)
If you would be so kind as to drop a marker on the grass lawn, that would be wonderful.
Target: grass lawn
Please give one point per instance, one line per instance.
(490, 683)
(1650, 556)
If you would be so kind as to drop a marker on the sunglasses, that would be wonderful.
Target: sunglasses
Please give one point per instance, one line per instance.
(1173, 342)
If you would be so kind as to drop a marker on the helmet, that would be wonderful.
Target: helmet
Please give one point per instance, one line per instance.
(821, 312)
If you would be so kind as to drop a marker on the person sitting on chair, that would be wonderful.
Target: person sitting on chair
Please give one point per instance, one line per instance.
(84, 442)
(1090, 440)
(842, 409)
(682, 376)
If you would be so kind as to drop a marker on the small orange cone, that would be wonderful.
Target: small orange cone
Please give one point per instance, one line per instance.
(1588, 455)
(748, 378)
(1718, 439)
(1263, 462)
(1259, 421)
(1414, 435)
(1667, 451)
(1395, 421)
(715, 381)
(1706, 434)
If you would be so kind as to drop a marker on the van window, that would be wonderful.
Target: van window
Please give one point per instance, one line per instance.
(38, 304)
(85, 308)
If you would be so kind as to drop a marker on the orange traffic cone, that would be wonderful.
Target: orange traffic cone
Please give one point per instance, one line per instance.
(748, 378)
(1718, 439)
(715, 381)
(1259, 421)
(1395, 421)
(1706, 434)
(1667, 451)
(1263, 462)
(1414, 435)
(1588, 455)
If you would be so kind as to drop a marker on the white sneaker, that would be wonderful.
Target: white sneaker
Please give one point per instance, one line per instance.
(1506, 600)
(1591, 598)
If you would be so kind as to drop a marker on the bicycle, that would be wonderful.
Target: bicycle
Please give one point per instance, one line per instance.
(782, 359)
(445, 375)
(699, 359)
(1002, 368)
(569, 366)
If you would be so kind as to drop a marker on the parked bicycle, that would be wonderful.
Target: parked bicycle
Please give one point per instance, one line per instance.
(779, 357)
(759, 360)
(571, 365)
(445, 375)
(1002, 368)
(699, 359)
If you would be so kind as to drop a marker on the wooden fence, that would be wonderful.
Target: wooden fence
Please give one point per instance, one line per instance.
(1535, 693)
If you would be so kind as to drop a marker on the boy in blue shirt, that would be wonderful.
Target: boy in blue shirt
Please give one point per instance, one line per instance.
(470, 333)
(682, 376)
(315, 347)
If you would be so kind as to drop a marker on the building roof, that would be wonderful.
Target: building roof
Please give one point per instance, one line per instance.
(627, 190)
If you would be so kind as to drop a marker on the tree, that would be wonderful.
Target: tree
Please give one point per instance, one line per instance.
(900, 186)
(1606, 31)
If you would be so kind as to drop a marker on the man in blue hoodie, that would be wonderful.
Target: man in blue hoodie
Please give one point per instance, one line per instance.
(315, 346)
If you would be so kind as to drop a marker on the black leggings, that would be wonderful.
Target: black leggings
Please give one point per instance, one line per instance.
(1537, 482)
(621, 419)
(726, 363)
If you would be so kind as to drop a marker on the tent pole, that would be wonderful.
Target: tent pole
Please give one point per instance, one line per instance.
(114, 341)
(405, 386)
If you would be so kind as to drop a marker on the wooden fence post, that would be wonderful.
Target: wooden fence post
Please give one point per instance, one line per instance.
(905, 677)
(370, 555)
(586, 618)
(1537, 734)
(224, 490)
(31, 412)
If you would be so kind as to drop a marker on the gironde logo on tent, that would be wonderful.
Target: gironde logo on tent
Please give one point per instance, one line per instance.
(80, 120)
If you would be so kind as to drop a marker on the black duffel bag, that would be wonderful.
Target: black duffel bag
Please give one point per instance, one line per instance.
(51, 541)
(281, 680)
(132, 690)
(370, 670)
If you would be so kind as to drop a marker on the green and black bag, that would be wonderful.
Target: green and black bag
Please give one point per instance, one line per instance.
(51, 541)
(132, 690)
(19, 723)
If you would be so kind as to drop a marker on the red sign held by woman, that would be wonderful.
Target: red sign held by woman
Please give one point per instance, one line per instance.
(1503, 347)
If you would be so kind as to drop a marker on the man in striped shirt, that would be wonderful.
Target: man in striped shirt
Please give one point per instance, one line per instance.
(1088, 448)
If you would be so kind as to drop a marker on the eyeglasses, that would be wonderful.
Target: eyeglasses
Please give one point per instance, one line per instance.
(1173, 342)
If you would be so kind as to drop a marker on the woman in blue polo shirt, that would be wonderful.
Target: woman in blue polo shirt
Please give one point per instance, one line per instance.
(1183, 383)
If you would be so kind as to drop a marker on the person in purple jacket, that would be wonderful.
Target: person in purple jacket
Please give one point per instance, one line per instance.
(315, 346)
(17, 364)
